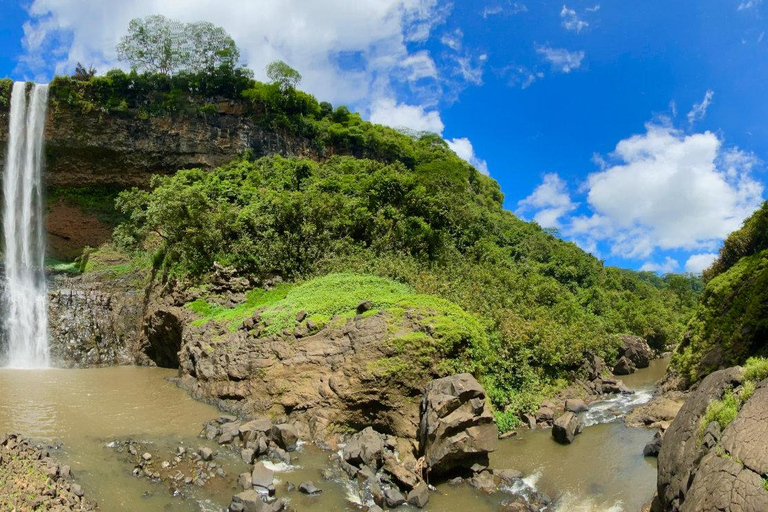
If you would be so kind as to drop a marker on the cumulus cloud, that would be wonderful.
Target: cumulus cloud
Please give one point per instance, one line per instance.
(572, 21)
(550, 201)
(667, 266)
(699, 110)
(313, 37)
(389, 112)
(463, 148)
(668, 190)
(561, 59)
(698, 263)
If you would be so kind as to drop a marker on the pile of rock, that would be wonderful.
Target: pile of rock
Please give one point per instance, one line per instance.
(384, 468)
(31, 480)
(184, 467)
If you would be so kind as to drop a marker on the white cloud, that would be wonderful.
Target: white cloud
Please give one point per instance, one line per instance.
(463, 148)
(313, 37)
(550, 201)
(594, 8)
(453, 40)
(471, 69)
(668, 190)
(748, 4)
(572, 21)
(561, 59)
(667, 266)
(699, 110)
(389, 112)
(420, 65)
(698, 263)
(515, 8)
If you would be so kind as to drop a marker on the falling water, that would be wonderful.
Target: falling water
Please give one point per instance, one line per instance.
(26, 307)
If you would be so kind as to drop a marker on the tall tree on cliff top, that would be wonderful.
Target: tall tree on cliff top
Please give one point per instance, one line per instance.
(162, 45)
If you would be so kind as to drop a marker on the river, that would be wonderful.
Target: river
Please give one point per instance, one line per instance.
(86, 410)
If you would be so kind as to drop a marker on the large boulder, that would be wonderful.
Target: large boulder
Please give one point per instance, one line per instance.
(624, 366)
(636, 349)
(566, 428)
(365, 447)
(457, 430)
(730, 478)
(681, 451)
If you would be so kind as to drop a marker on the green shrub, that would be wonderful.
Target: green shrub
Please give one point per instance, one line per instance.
(722, 411)
(756, 369)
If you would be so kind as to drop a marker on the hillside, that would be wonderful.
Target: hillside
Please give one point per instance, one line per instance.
(730, 324)
(274, 185)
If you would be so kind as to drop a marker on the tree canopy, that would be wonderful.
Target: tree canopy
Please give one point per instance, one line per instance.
(162, 45)
(284, 75)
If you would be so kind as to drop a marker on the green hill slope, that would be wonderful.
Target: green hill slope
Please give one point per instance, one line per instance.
(731, 322)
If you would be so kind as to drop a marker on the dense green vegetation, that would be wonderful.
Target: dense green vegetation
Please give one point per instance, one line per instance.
(731, 322)
(5, 92)
(375, 203)
(275, 106)
(437, 226)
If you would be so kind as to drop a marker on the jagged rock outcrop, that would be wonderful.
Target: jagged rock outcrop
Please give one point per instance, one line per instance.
(681, 451)
(97, 148)
(95, 321)
(732, 476)
(336, 376)
(457, 429)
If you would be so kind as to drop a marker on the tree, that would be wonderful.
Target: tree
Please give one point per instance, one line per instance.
(284, 75)
(154, 43)
(162, 45)
(211, 47)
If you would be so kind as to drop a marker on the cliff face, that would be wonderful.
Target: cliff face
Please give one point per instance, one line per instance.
(126, 148)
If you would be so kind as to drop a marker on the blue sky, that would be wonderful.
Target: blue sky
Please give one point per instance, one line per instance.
(638, 129)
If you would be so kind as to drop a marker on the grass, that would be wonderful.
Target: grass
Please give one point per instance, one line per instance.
(63, 267)
(756, 369)
(450, 338)
(109, 259)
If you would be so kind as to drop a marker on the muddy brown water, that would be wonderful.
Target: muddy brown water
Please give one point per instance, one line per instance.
(86, 410)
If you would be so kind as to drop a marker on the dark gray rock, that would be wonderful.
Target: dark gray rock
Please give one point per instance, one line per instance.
(285, 436)
(681, 450)
(653, 447)
(575, 405)
(636, 350)
(623, 366)
(261, 476)
(309, 489)
(393, 497)
(566, 428)
(419, 495)
(457, 429)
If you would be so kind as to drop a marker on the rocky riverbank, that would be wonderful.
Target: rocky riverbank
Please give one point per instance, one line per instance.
(30, 480)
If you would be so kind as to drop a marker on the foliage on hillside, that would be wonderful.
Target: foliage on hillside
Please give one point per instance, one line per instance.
(272, 106)
(730, 323)
(439, 228)
(377, 202)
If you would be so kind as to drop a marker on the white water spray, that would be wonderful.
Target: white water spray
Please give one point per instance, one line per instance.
(26, 296)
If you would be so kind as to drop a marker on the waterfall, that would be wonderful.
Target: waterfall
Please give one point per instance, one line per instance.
(26, 296)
